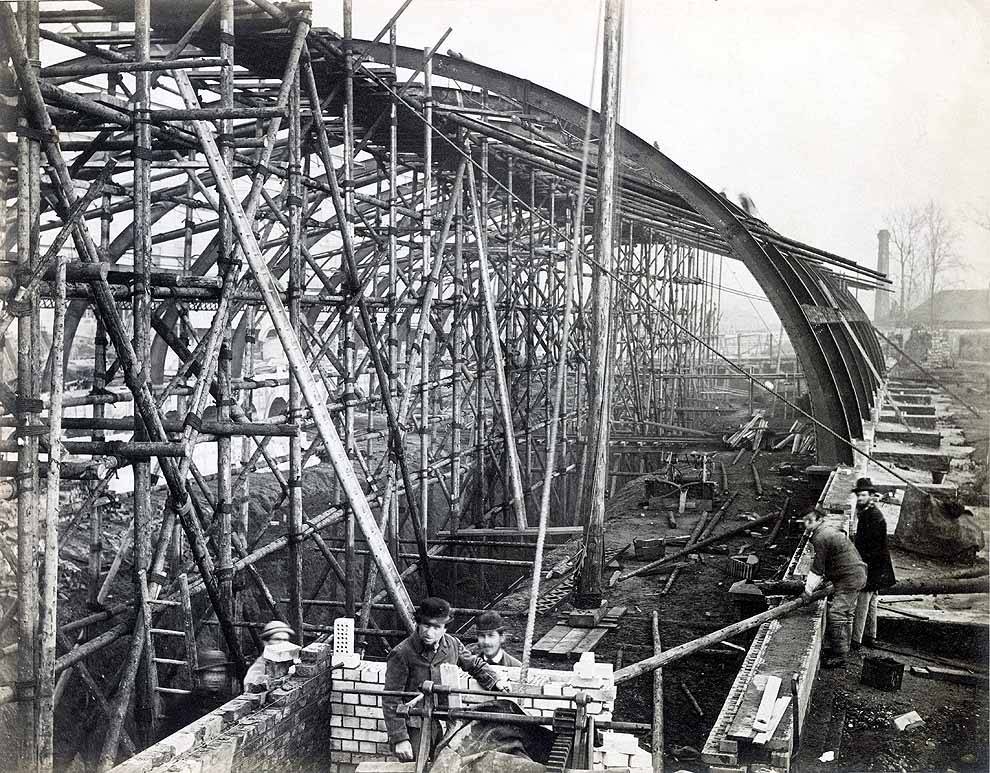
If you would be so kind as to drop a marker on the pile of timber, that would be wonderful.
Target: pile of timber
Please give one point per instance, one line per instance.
(800, 438)
(752, 430)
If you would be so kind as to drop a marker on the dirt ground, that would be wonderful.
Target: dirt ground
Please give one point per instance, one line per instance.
(698, 602)
(854, 720)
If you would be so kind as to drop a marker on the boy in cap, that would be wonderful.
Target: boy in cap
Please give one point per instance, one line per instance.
(871, 542)
(837, 561)
(417, 658)
(490, 630)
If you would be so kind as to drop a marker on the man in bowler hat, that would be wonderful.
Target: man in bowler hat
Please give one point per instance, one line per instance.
(871, 542)
(490, 630)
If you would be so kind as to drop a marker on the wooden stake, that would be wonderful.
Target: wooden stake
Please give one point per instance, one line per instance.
(657, 737)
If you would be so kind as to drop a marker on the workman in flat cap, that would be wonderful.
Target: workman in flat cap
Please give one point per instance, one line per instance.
(838, 562)
(257, 675)
(490, 630)
(418, 658)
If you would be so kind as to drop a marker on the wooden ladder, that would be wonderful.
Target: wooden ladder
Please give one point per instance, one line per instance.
(188, 634)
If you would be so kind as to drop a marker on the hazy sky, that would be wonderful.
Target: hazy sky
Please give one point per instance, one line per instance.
(828, 115)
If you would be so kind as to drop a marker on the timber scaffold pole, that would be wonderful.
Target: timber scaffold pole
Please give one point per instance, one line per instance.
(300, 324)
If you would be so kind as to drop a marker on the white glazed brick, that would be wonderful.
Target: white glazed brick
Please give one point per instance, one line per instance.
(620, 742)
(343, 684)
(641, 759)
(343, 636)
(613, 759)
(372, 671)
(370, 736)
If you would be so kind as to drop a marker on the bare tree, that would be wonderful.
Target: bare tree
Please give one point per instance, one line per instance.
(979, 214)
(939, 237)
(905, 226)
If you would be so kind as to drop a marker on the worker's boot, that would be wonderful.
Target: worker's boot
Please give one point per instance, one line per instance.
(838, 636)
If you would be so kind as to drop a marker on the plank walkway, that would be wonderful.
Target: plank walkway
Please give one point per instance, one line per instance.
(566, 641)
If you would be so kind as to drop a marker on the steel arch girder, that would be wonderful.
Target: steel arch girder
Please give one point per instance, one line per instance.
(832, 338)
(827, 400)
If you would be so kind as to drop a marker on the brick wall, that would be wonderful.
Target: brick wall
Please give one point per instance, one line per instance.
(358, 729)
(282, 729)
(327, 717)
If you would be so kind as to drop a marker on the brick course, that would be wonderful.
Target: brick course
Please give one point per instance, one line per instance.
(331, 720)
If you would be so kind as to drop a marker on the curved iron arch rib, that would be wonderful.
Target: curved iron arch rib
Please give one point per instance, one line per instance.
(838, 399)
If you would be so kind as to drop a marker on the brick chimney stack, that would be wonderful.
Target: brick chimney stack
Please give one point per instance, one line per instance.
(881, 308)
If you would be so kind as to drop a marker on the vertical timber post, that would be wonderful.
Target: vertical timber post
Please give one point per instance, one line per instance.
(225, 260)
(588, 590)
(347, 329)
(28, 195)
(295, 397)
(143, 696)
(424, 354)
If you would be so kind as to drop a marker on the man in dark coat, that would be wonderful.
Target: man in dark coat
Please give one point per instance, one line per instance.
(871, 542)
(417, 658)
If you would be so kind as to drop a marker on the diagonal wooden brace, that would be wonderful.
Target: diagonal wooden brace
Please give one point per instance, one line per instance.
(297, 360)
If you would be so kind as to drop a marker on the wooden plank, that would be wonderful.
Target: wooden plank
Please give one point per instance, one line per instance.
(566, 644)
(590, 640)
(780, 709)
(552, 531)
(550, 638)
(767, 702)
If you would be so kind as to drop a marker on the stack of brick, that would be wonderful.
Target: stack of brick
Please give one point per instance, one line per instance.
(358, 730)
(939, 354)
